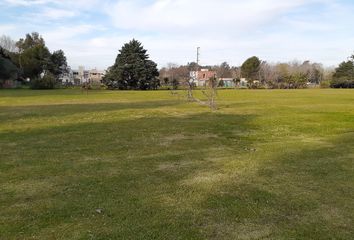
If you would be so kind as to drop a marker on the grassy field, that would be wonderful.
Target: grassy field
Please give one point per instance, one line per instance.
(147, 165)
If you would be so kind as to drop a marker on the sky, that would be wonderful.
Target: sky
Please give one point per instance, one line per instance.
(91, 32)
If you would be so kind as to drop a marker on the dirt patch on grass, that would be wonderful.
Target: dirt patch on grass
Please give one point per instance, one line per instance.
(168, 140)
(173, 166)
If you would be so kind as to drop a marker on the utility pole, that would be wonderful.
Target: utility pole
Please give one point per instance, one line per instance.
(198, 55)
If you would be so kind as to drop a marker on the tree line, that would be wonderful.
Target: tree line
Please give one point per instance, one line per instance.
(261, 74)
(29, 61)
(29, 58)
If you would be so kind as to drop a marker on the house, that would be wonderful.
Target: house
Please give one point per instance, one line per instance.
(201, 77)
(81, 75)
(96, 76)
(88, 76)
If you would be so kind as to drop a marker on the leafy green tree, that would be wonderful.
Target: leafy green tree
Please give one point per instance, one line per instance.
(132, 69)
(30, 41)
(344, 75)
(297, 80)
(35, 60)
(58, 64)
(250, 68)
(34, 56)
(345, 70)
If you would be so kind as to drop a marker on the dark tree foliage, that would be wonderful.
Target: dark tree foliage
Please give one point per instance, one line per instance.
(35, 60)
(132, 70)
(8, 70)
(30, 41)
(58, 64)
(344, 75)
(193, 66)
(250, 68)
(296, 81)
(174, 83)
(48, 81)
(221, 83)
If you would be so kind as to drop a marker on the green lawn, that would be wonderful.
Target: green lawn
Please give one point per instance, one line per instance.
(147, 165)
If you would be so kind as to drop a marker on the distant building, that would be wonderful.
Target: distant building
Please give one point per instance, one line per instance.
(96, 76)
(201, 77)
(80, 75)
(84, 76)
(67, 78)
(242, 82)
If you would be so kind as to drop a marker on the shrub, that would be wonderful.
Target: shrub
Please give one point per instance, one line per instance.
(342, 83)
(96, 86)
(325, 84)
(46, 82)
(221, 83)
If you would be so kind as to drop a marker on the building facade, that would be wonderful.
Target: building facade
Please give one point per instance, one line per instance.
(200, 78)
(82, 76)
(96, 76)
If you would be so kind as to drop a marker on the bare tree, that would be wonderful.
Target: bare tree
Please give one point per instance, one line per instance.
(267, 73)
(209, 91)
(223, 70)
(8, 44)
(187, 75)
(236, 72)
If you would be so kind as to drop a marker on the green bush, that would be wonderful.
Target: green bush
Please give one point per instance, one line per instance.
(46, 82)
(325, 84)
(96, 86)
(342, 83)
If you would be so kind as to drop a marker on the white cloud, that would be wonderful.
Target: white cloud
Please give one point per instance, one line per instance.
(55, 13)
(64, 3)
(4, 28)
(28, 2)
(230, 30)
(66, 33)
(197, 15)
(226, 30)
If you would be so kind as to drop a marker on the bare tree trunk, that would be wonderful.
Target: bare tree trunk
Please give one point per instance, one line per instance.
(190, 96)
(210, 92)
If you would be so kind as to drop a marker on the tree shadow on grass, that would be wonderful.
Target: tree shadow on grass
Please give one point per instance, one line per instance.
(11, 114)
(16, 93)
(191, 177)
(303, 192)
(54, 179)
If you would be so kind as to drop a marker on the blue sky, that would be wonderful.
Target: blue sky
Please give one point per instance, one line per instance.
(92, 31)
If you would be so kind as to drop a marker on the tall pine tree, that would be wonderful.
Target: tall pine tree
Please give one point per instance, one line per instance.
(132, 69)
(344, 75)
